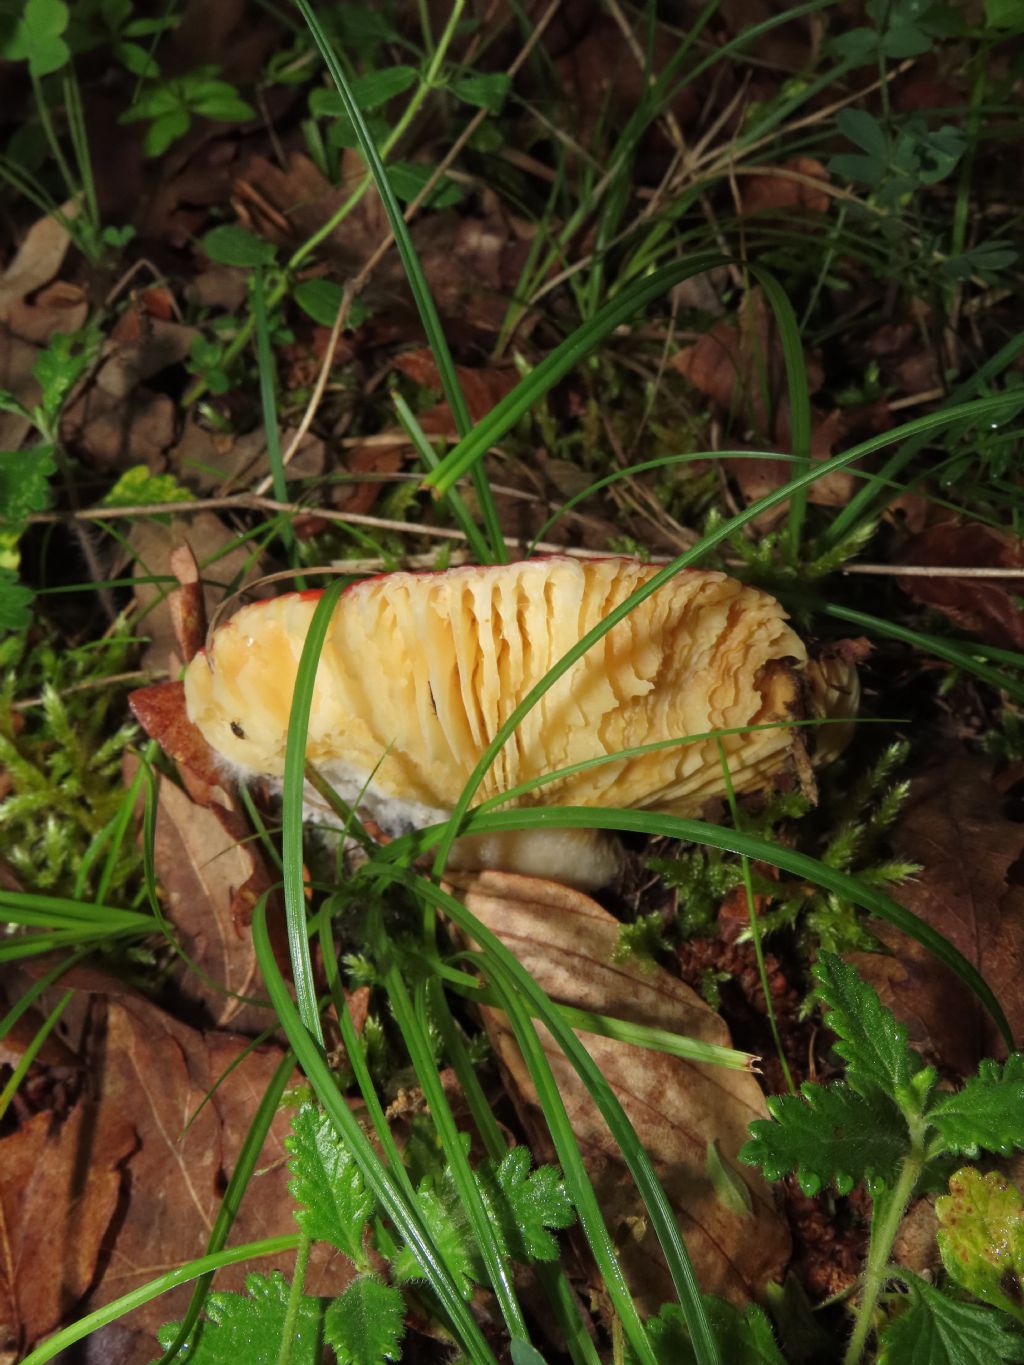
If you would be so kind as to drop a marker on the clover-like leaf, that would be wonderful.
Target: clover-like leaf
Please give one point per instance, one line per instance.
(38, 37)
(364, 1325)
(233, 245)
(988, 1113)
(981, 1237)
(937, 1330)
(249, 1327)
(829, 1133)
(335, 1203)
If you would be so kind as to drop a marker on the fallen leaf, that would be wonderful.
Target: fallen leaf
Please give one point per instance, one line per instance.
(17, 359)
(220, 560)
(37, 260)
(482, 388)
(741, 368)
(986, 608)
(119, 432)
(567, 941)
(60, 307)
(56, 1177)
(785, 189)
(971, 890)
(758, 476)
(139, 347)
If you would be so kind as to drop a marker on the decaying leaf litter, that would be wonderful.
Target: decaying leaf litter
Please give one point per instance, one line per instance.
(162, 439)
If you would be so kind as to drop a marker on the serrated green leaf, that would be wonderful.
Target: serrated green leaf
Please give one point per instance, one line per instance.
(365, 1324)
(981, 1237)
(336, 1205)
(24, 483)
(829, 1132)
(526, 1204)
(450, 1232)
(233, 245)
(138, 486)
(249, 1327)
(937, 1330)
(38, 37)
(487, 91)
(871, 1041)
(15, 601)
(743, 1338)
(62, 364)
(988, 1113)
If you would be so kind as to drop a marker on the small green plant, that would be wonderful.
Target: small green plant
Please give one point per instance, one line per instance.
(889, 1125)
(171, 104)
(364, 1325)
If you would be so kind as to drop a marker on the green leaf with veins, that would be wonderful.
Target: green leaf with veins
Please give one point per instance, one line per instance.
(336, 1204)
(988, 1113)
(525, 1204)
(14, 603)
(24, 483)
(937, 1330)
(487, 90)
(870, 1040)
(364, 1325)
(743, 1338)
(829, 1132)
(981, 1237)
(249, 1327)
(449, 1229)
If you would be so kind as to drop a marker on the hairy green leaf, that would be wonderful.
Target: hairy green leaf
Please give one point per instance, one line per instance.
(364, 1325)
(526, 1204)
(24, 483)
(335, 1203)
(981, 1237)
(249, 1327)
(14, 602)
(937, 1330)
(744, 1338)
(871, 1041)
(988, 1113)
(829, 1132)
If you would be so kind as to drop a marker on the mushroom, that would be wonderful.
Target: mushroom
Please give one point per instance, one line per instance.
(419, 670)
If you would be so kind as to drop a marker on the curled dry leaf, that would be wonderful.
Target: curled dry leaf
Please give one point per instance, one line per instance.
(37, 260)
(971, 889)
(567, 941)
(482, 388)
(989, 609)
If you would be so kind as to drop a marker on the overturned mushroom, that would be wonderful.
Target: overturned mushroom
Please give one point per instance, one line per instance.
(419, 671)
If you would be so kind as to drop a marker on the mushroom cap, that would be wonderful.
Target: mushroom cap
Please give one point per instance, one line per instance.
(418, 672)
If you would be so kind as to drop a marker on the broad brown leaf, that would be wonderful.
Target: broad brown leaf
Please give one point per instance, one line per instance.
(987, 608)
(56, 1178)
(482, 388)
(971, 890)
(785, 189)
(567, 941)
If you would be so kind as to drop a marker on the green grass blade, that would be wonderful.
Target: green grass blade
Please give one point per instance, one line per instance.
(528, 995)
(291, 813)
(379, 1181)
(413, 272)
(146, 1293)
(862, 504)
(268, 401)
(788, 859)
(245, 1165)
(31, 1052)
(685, 560)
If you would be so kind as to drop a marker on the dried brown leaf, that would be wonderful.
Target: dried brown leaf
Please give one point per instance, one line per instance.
(59, 1188)
(971, 890)
(37, 260)
(989, 608)
(567, 941)
(482, 388)
(785, 189)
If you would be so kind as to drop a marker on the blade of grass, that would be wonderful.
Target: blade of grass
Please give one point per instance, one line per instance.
(801, 865)
(685, 560)
(379, 1180)
(413, 269)
(526, 994)
(268, 403)
(31, 1052)
(146, 1293)
(291, 812)
(245, 1166)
